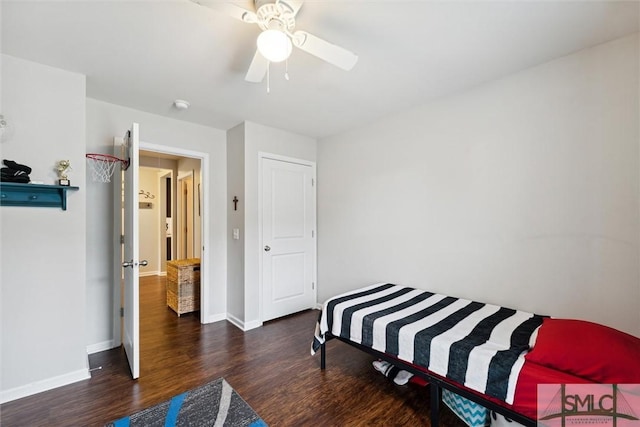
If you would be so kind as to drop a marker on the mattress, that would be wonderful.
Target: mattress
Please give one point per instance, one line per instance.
(530, 349)
(480, 346)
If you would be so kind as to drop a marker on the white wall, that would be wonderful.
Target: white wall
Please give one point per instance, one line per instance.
(522, 192)
(163, 167)
(244, 144)
(1, 73)
(104, 121)
(192, 166)
(259, 138)
(43, 342)
(149, 221)
(235, 219)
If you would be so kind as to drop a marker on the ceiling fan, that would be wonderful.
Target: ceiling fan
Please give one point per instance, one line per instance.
(277, 20)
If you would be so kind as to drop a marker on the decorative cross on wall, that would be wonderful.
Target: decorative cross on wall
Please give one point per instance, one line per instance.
(235, 203)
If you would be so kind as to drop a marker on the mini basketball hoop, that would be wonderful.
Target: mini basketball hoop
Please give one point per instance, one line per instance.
(103, 166)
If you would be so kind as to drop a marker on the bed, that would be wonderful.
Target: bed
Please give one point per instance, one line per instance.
(491, 355)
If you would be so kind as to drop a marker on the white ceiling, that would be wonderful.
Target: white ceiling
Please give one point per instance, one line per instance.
(144, 54)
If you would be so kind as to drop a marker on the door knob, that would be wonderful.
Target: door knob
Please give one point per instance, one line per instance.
(267, 248)
(144, 263)
(127, 264)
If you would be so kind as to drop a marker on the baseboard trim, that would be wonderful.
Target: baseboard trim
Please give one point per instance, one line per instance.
(44, 385)
(215, 318)
(235, 321)
(242, 325)
(252, 325)
(100, 346)
(149, 273)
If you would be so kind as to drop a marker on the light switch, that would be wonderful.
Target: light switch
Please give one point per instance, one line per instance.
(236, 233)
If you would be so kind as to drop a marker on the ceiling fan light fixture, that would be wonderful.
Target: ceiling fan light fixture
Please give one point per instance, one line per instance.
(274, 45)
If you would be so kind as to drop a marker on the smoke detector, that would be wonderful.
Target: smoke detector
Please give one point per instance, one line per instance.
(181, 104)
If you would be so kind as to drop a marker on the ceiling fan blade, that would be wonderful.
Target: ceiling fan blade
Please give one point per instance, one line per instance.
(230, 9)
(257, 69)
(336, 55)
(293, 6)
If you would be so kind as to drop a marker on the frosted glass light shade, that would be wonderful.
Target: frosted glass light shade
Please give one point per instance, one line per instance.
(274, 45)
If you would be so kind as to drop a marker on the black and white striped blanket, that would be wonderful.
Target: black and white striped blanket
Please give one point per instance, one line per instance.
(481, 346)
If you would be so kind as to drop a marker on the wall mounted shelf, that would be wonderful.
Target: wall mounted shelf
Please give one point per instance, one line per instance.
(36, 195)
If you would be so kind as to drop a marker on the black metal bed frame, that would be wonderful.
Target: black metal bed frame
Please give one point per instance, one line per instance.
(436, 385)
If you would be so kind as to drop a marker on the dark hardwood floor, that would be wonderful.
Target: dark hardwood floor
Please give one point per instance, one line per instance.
(270, 367)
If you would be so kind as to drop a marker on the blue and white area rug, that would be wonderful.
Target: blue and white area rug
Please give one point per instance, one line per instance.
(215, 404)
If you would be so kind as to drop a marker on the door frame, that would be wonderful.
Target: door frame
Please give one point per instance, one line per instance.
(162, 213)
(262, 156)
(182, 218)
(204, 235)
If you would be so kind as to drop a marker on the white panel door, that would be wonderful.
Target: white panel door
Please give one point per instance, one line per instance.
(131, 265)
(288, 240)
